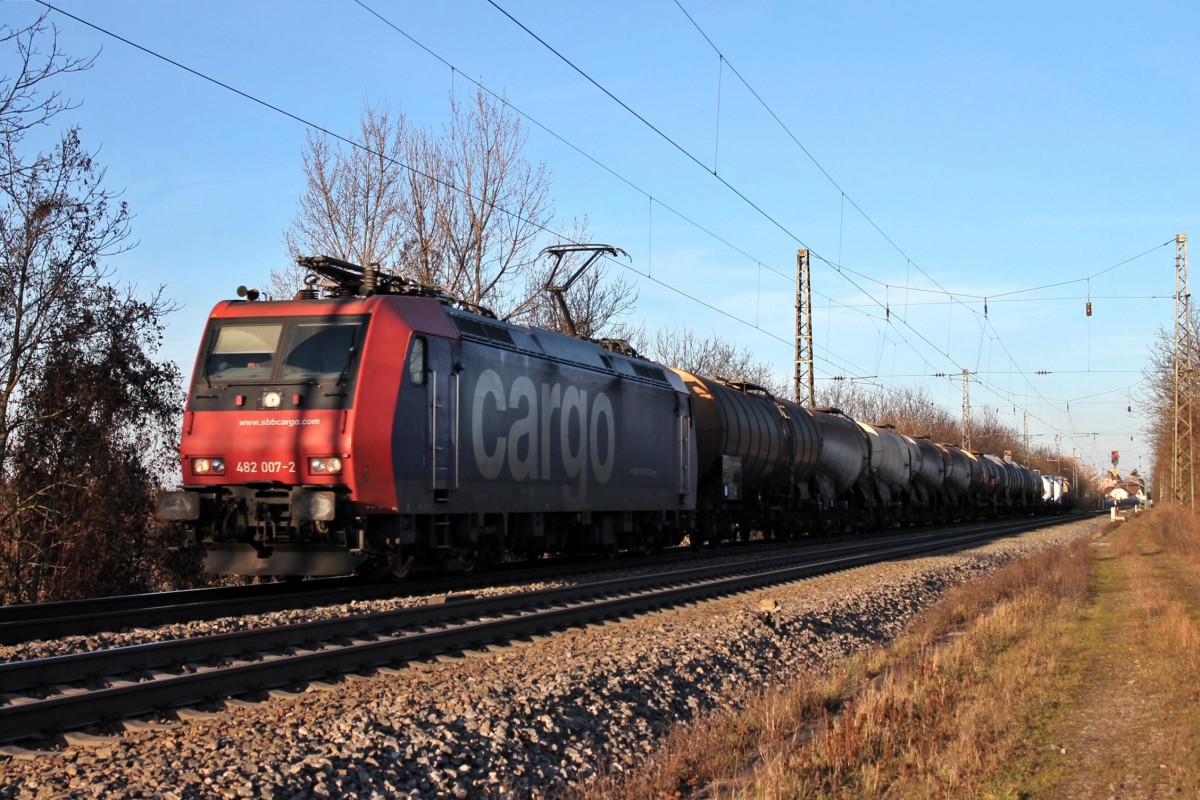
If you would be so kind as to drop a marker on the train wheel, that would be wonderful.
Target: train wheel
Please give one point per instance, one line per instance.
(656, 543)
(401, 567)
(468, 562)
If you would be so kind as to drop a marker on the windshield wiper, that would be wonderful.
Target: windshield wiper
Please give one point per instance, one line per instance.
(207, 380)
(338, 392)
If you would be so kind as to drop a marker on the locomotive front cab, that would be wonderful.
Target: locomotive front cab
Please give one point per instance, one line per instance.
(266, 454)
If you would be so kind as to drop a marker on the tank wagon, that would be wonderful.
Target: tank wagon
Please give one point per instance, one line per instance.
(1056, 493)
(757, 457)
(380, 424)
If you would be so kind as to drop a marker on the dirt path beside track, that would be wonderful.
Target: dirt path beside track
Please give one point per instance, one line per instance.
(1133, 728)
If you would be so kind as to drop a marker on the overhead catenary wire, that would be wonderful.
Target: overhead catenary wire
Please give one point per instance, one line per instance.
(986, 322)
(650, 197)
(955, 297)
(884, 306)
(350, 142)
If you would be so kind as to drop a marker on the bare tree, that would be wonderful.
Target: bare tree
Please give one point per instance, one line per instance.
(914, 412)
(462, 211)
(501, 205)
(56, 224)
(849, 397)
(85, 410)
(1157, 400)
(989, 434)
(711, 356)
(355, 202)
(26, 99)
(425, 258)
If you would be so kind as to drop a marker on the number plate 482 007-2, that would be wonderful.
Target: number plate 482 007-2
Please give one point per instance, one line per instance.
(256, 467)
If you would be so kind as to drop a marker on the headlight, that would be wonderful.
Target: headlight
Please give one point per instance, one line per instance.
(208, 466)
(271, 399)
(179, 506)
(314, 507)
(326, 465)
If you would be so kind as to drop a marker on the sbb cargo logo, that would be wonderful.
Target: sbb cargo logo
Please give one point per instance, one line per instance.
(541, 432)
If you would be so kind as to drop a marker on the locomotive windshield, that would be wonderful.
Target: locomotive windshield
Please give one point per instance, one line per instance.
(243, 352)
(287, 351)
(318, 350)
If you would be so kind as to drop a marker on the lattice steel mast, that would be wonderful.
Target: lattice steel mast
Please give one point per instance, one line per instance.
(804, 391)
(1182, 473)
(966, 417)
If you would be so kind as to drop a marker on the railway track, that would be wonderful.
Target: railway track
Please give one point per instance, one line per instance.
(24, 623)
(50, 695)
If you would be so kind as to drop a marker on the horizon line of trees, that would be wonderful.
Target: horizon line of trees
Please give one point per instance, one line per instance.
(915, 413)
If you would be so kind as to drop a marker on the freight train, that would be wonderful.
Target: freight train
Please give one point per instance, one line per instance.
(372, 424)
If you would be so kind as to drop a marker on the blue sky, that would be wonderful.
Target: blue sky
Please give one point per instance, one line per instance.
(974, 149)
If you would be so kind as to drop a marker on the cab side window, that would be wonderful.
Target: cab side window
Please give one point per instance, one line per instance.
(417, 366)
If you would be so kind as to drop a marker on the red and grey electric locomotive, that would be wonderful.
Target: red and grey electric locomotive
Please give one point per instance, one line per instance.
(384, 424)
(379, 424)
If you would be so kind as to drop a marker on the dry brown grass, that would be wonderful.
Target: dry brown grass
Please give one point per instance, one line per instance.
(1176, 531)
(1133, 725)
(1071, 674)
(718, 745)
(930, 716)
(947, 712)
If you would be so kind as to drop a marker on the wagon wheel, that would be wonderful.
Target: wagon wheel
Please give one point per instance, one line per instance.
(401, 566)
(468, 561)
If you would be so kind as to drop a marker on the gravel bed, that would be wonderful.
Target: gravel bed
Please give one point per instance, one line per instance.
(520, 721)
(67, 645)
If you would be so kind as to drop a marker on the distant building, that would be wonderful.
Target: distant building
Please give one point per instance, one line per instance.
(1122, 492)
